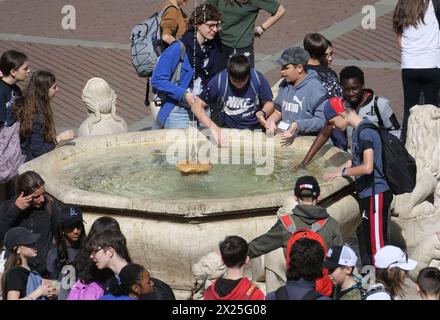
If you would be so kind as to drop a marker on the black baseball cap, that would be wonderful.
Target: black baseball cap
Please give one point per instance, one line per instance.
(307, 186)
(69, 216)
(19, 236)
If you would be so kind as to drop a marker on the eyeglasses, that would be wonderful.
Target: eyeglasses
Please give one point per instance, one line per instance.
(95, 251)
(211, 26)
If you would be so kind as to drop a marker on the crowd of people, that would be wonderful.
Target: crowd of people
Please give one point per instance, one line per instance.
(219, 87)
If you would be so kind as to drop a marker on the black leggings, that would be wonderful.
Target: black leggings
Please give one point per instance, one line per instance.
(414, 82)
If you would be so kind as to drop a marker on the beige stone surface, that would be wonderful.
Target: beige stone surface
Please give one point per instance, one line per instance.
(100, 101)
(169, 236)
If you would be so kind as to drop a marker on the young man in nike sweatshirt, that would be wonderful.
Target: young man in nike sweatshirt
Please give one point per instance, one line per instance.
(300, 99)
(233, 285)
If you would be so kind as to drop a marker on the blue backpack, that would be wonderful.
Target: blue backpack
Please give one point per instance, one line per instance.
(34, 281)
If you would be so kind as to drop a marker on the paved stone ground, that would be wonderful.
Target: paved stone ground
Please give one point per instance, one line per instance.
(99, 46)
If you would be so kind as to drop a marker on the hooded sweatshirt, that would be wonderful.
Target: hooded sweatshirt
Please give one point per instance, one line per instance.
(226, 289)
(304, 216)
(303, 103)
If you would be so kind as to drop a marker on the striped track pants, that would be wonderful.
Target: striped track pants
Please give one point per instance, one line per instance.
(375, 228)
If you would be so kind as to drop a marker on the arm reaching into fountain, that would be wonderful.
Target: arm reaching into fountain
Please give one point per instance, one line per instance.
(198, 109)
(320, 140)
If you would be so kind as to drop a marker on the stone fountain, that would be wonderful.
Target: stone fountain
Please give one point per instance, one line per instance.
(172, 220)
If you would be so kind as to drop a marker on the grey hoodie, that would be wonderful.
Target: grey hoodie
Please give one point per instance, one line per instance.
(303, 103)
(304, 216)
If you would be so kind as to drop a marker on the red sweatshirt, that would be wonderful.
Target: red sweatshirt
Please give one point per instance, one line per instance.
(245, 290)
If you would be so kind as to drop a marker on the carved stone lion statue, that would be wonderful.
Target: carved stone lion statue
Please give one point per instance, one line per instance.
(100, 100)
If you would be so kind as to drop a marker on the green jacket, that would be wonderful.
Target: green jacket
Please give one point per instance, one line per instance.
(303, 216)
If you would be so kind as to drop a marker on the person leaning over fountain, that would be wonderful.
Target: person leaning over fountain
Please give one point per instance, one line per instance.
(240, 98)
(368, 105)
(233, 285)
(200, 64)
(374, 194)
(31, 209)
(301, 97)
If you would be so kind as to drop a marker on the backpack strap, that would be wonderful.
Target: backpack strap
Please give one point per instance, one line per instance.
(281, 293)
(255, 84)
(376, 110)
(318, 225)
(312, 295)
(287, 221)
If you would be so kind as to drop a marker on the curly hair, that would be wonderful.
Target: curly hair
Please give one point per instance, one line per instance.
(202, 14)
(36, 100)
(305, 260)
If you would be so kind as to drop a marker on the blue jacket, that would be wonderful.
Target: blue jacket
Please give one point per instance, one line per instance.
(162, 75)
(35, 145)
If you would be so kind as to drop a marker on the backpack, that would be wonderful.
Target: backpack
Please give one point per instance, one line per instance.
(323, 284)
(146, 43)
(222, 86)
(399, 167)
(34, 281)
(10, 152)
(282, 294)
(373, 290)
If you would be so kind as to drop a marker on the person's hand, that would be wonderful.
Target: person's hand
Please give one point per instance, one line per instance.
(23, 202)
(219, 138)
(45, 289)
(289, 133)
(190, 98)
(261, 119)
(65, 136)
(333, 175)
(258, 31)
(271, 127)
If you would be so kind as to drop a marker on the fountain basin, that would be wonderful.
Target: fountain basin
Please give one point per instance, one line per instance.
(169, 231)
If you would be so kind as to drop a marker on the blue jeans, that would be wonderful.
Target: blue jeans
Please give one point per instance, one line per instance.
(179, 118)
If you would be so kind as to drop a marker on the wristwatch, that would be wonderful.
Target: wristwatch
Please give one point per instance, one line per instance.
(344, 172)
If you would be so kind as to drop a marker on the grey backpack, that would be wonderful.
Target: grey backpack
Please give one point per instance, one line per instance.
(146, 43)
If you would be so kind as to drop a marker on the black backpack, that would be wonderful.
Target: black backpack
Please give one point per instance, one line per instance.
(281, 294)
(399, 167)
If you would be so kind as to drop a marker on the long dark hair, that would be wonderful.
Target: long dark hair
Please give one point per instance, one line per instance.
(28, 182)
(409, 13)
(36, 100)
(13, 260)
(11, 60)
(61, 245)
(85, 268)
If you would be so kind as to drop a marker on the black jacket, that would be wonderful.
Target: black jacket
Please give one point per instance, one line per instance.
(42, 220)
(303, 216)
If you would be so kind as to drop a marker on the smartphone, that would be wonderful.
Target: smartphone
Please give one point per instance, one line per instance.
(284, 126)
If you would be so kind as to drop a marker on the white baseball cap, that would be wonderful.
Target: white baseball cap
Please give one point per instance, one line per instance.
(391, 256)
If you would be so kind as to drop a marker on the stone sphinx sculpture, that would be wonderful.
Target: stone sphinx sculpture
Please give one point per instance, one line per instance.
(416, 216)
(100, 100)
